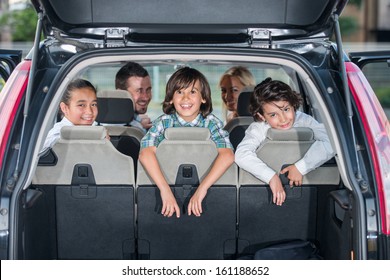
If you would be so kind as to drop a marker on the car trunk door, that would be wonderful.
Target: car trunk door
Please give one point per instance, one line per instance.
(186, 20)
(376, 67)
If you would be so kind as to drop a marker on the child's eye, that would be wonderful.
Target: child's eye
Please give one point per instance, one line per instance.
(287, 109)
(272, 115)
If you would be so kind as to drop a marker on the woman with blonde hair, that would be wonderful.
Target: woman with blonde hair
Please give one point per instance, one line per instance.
(232, 83)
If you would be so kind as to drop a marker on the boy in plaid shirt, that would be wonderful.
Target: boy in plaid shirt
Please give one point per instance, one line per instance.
(187, 103)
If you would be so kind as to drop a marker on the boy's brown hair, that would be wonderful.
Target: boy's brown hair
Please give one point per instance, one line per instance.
(269, 91)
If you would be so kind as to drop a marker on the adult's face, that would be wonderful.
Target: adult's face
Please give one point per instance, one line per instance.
(231, 88)
(140, 89)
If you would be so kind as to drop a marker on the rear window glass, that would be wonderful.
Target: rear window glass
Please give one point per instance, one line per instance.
(103, 77)
(378, 76)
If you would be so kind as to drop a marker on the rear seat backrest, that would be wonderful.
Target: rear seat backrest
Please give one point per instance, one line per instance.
(184, 145)
(179, 141)
(296, 217)
(116, 111)
(94, 196)
(86, 144)
(185, 157)
(287, 147)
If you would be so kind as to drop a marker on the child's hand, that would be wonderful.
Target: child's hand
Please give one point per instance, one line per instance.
(294, 175)
(195, 204)
(107, 135)
(278, 193)
(169, 204)
(145, 121)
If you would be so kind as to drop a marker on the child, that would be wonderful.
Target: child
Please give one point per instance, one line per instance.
(78, 106)
(274, 104)
(187, 103)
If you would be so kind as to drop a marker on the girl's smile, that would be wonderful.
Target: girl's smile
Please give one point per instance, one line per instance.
(82, 108)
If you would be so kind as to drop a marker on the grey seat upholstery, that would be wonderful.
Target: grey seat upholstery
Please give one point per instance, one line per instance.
(185, 157)
(116, 111)
(237, 126)
(94, 199)
(115, 107)
(295, 219)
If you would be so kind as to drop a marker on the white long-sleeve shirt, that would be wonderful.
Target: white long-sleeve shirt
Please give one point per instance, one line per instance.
(319, 152)
(54, 134)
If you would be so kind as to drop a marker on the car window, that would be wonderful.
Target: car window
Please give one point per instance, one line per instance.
(103, 77)
(378, 73)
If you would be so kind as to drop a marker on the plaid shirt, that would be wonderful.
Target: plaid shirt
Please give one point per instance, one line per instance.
(155, 134)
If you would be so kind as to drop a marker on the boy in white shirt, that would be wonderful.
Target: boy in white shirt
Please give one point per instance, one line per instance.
(274, 104)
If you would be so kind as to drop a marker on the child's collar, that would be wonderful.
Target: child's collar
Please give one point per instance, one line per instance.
(194, 122)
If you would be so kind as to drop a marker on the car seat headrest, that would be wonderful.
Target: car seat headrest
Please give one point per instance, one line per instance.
(292, 134)
(243, 103)
(187, 133)
(115, 107)
(83, 133)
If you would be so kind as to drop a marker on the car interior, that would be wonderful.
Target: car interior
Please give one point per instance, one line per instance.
(90, 198)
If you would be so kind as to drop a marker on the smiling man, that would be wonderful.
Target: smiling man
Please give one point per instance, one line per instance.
(136, 80)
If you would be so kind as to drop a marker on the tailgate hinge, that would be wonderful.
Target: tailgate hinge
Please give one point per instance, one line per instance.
(115, 37)
(260, 38)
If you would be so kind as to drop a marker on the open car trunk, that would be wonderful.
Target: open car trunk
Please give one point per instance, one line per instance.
(89, 198)
(86, 219)
(187, 21)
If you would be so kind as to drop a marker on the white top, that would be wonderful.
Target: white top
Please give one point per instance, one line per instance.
(55, 132)
(319, 152)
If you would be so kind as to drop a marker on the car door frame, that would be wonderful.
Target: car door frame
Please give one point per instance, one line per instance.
(361, 59)
(364, 57)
